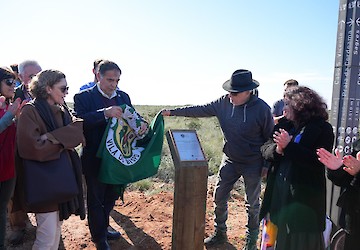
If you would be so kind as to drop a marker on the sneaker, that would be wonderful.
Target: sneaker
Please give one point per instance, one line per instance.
(17, 237)
(217, 238)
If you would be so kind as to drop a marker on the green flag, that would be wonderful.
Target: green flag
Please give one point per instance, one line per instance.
(128, 156)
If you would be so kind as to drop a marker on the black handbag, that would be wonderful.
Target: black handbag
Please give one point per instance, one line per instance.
(49, 182)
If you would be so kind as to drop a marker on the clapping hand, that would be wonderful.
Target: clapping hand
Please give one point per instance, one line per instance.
(282, 139)
(331, 161)
(352, 165)
(334, 162)
(16, 106)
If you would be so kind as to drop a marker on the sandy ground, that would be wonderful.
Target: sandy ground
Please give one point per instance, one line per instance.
(145, 222)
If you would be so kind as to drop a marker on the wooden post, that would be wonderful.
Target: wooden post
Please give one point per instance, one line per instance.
(191, 171)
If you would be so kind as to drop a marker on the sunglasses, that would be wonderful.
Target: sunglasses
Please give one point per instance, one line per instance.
(64, 89)
(10, 82)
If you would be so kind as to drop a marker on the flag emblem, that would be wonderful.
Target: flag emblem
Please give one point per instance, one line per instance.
(130, 149)
(121, 142)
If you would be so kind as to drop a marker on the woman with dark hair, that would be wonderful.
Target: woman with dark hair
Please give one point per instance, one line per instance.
(295, 196)
(8, 112)
(47, 125)
(7, 81)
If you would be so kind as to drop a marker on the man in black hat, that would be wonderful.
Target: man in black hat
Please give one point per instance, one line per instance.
(246, 122)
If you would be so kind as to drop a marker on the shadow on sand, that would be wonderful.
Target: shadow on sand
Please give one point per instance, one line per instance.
(138, 238)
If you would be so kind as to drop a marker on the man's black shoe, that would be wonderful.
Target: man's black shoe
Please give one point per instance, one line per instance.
(217, 238)
(102, 245)
(112, 234)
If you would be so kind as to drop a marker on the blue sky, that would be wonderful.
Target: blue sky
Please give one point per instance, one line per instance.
(177, 52)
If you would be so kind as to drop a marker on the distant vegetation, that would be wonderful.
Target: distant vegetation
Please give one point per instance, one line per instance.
(207, 129)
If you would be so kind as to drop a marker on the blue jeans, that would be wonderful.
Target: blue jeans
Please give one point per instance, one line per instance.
(100, 201)
(6, 191)
(229, 173)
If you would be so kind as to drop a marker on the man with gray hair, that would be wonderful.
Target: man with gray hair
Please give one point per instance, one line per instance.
(18, 217)
(27, 70)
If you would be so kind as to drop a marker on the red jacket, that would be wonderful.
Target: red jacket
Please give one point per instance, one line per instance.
(7, 151)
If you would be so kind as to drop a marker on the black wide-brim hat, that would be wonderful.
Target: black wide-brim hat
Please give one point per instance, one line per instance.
(240, 81)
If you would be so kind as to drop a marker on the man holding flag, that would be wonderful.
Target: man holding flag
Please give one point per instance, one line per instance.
(96, 106)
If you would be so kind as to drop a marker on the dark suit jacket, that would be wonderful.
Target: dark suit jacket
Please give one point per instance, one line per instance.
(89, 105)
(19, 92)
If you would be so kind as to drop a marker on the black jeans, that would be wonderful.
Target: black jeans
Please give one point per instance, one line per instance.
(100, 201)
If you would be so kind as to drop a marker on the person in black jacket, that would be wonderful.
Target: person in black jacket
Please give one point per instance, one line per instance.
(295, 196)
(345, 172)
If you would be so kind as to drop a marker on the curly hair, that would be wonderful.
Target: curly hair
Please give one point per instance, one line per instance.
(306, 104)
(44, 79)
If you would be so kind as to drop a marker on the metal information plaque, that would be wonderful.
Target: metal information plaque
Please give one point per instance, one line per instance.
(185, 146)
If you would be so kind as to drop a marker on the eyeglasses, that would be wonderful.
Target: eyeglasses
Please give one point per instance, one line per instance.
(10, 82)
(233, 93)
(64, 89)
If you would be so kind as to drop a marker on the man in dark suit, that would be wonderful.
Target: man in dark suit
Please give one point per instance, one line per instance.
(96, 105)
